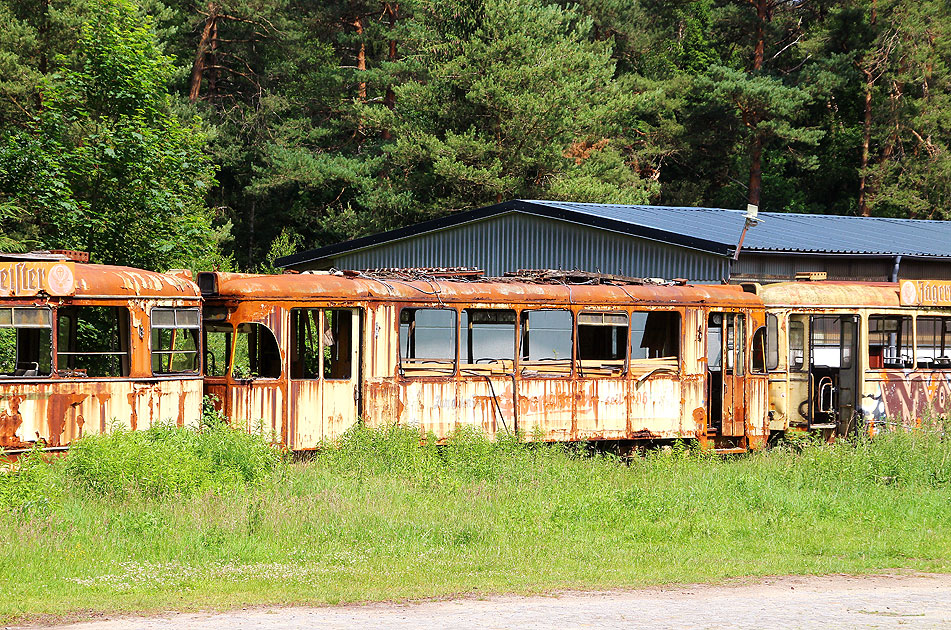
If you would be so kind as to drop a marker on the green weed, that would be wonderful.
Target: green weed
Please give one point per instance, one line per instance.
(177, 518)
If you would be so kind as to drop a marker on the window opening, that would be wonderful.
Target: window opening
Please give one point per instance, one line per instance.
(715, 342)
(546, 343)
(758, 358)
(26, 341)
(797, 345)
(602, 343)
(772, 342)
(217, 343)
(427, 341)
(655, 340)
(889, 341)
(933, 341)
(305, 343)
(174, 338)
(826, 340)
(489, 336)
(92, 341)
(337, 343)
(256, 354)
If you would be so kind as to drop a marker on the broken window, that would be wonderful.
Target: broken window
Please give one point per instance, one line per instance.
(26, 336)
(602, 343)
(427, 341)
(217, 343)
(337, 343)
(256, 353)
(546, 343)
(174, 340)
(758, 358)
(489, 336)
(305, 343)
(933, 342)
(655, 340)
(889, 341)
(92, 341)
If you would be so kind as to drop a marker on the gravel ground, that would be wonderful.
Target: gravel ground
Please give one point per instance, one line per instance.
(885, 601)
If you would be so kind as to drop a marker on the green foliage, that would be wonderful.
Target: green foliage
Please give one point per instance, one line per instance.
(160, 462)
(105, 165)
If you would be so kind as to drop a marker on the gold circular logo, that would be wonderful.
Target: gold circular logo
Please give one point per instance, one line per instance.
(60, 280)
(909, 293)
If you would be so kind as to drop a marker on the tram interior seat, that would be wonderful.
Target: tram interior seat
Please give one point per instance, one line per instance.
(27, 368)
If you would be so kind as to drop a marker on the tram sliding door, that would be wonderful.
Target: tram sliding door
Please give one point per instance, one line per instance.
(726, 373)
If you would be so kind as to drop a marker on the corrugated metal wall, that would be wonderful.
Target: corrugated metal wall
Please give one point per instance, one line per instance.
(520, 241)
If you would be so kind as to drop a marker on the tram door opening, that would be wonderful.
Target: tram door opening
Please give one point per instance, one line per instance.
(726, 374)
(823, 374)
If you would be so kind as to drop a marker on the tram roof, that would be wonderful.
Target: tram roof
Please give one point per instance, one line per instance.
(336, 286)
(24, 276)
(832, 294)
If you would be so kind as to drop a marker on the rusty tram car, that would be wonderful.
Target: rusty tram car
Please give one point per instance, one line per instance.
(846, 356)
(305, 357)
(554, 356)
(84, 348)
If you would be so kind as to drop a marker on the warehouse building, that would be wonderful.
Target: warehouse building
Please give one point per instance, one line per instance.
(700, 244)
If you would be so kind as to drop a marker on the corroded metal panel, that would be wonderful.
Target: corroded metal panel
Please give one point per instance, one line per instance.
(58, 412)
(258, 407)
(546, 408)
(655, 408)
(305, 415)
(600, 411)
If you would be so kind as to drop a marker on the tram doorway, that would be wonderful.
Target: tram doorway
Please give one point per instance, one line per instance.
(726, 374)
(823, 370)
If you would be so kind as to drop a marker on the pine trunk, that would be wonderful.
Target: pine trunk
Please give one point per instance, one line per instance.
(208, 34)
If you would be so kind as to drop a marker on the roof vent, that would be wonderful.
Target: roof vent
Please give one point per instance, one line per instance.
(811, 276)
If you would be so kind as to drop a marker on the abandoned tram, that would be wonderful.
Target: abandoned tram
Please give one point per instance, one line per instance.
(555, 356)
(85, 348)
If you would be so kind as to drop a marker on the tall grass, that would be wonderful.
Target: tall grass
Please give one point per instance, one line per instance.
(178, 518)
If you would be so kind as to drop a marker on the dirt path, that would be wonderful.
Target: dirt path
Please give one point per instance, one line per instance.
(893, 601)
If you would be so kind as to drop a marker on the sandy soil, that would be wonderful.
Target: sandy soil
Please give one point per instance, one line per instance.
(884, 601)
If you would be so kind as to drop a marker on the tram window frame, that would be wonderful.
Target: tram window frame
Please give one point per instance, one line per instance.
(545, 366)
(263, 353)
(23, 345)
(588, 347)
(336, 343)
(797, 347)
(937, 361)
(74, 331)
(211, 345)
(305, 348)
(901, 327)
(772, 342)
(825, 337)
(438, 365)
(183, 323)
(491, 330)
(758, 354)
(662, 330)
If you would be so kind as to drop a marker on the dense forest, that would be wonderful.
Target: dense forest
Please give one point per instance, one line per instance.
(201, 133)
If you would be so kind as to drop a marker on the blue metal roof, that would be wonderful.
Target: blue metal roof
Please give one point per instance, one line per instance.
(712, 230)
(784, 232)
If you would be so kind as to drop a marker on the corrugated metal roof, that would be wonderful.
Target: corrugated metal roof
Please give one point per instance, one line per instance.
(712, 230)
(785, 232)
